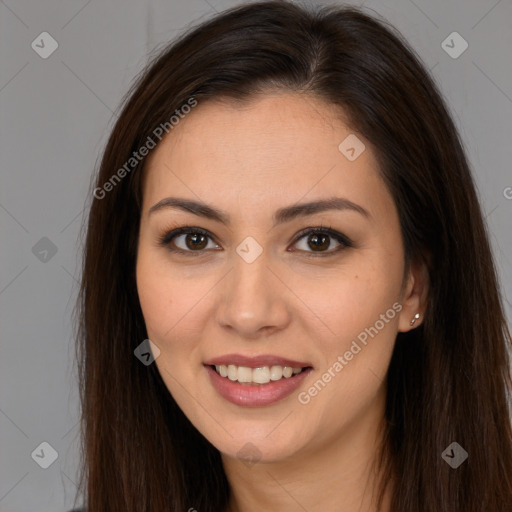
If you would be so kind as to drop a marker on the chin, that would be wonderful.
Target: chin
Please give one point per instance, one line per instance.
(252, 451)
(257, 440)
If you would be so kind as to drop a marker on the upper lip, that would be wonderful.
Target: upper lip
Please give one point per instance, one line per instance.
(256, 361)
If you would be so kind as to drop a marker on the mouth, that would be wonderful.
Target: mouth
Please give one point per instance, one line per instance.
(257, 376)
(256, 381)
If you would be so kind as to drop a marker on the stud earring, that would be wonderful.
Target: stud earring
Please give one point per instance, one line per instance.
(416, 316)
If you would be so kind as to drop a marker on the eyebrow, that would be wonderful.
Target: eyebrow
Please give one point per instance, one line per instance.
(281, 216)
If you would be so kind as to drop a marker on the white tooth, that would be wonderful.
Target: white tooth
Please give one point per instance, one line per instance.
(232, 372)
(244, 374)
(261, 375)
(287, 371)
(276, 372)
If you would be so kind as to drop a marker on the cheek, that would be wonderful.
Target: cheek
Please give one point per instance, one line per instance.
(360, 306)
(362, 312)
(155, 296)
(161, 297)
(348, 300)
(172, 303)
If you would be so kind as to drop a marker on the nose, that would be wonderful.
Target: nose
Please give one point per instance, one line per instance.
(253, 300)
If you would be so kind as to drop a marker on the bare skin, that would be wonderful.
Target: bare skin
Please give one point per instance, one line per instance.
(294, 300)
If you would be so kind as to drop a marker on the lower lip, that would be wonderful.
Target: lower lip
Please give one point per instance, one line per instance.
(257, 395)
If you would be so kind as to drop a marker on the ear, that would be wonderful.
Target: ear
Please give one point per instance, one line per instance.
(414, 297)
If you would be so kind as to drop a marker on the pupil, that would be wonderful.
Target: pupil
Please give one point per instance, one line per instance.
(324, 244)
(194, 244)
(194, 241)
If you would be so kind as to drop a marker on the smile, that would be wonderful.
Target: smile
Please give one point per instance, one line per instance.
(255, 381)
(261, 375)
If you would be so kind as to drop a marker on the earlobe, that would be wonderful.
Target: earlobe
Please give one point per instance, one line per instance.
(413, 321)
(415, 298)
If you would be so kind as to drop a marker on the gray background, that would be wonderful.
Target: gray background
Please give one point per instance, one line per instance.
(56, 114)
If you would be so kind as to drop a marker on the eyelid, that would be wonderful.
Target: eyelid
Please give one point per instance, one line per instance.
(170, 234)
(342, 239)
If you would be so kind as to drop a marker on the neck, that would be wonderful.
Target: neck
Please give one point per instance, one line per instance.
(339, 476)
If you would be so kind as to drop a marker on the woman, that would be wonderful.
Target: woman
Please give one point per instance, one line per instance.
(285, 210)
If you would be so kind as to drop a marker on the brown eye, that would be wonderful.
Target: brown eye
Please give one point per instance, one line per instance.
(322, 241)
(316, 242)
(195, 241)
(187, 239)
(319, 242)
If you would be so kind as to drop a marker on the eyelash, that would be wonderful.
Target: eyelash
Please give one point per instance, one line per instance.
(168, 236)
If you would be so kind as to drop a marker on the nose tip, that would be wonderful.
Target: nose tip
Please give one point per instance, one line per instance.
(252, 302)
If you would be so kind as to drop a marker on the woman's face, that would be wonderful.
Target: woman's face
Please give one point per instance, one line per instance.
(254, 294)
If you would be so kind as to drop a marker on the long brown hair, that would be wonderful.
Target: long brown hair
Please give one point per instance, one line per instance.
(448, 379)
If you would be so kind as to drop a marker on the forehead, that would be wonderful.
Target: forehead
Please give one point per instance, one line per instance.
(274, 146)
